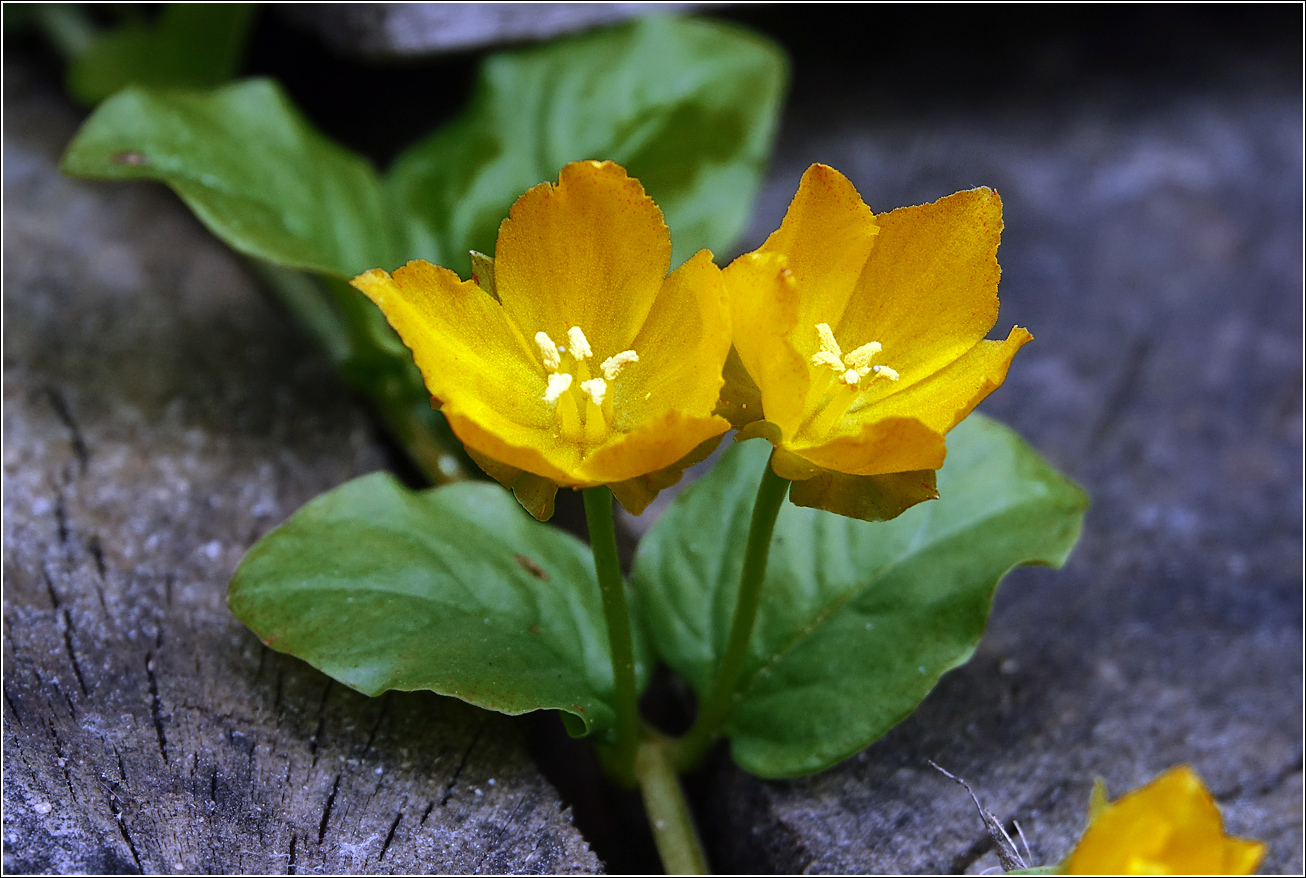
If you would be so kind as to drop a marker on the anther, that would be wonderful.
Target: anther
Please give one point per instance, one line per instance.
(596, 389)
(612, 365)
(558, 384)
(548, 352)
(861, 358)
(885, 372)
(828, 344)
(580, 346)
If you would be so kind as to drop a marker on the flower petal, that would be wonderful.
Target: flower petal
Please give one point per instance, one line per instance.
(890, 445)
(469, 353)
(947, 396)
(826, 236)
(636, 494)
(681, 348)
(657, 444)
(929, 291)
(870, 498)
(590, 251)
(764, 303)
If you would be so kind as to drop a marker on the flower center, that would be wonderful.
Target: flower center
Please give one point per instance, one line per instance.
(582, 404)
(854, 367)
(849, 372)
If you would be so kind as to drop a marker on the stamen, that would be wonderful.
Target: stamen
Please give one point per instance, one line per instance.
(885, 372)
(596, 389)
(828, 344)
(548, 352)
(861, 358)
(558, 384)
(826, 358)
(851, 377)
(612, 365)
(580, 346)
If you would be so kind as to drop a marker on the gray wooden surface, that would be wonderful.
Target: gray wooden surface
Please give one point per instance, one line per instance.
(1153, 247)
(159, 416)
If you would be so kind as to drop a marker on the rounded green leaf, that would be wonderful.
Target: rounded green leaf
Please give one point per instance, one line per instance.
(454, 589)
(858, 620)
(686, 105)
(251, 168)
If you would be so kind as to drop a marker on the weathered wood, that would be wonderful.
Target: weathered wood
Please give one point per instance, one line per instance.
(1153, 246)
(159, 417)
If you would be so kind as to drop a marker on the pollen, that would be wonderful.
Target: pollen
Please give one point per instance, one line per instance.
(595, 389)
(582, 404)
(580, 346)
(548, 352)
(612, 365)
(854, 367)
(559, 383)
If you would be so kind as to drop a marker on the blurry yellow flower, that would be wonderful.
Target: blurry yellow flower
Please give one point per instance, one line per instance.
(1171, 826)
(581, 362)
(860, 341)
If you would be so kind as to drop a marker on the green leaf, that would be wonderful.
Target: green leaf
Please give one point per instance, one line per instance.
(453, 589)
(858, 620)
(251, 168)
(192, 45)
(688, 106)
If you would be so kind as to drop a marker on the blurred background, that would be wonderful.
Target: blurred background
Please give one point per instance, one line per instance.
(161, 414)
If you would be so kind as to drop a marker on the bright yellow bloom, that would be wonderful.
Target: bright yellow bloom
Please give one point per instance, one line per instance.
(578, 361)
(860, 341)
(1171, 826)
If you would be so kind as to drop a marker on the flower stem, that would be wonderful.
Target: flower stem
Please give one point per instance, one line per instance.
(668, 812)
(714, 709)
(603, 542)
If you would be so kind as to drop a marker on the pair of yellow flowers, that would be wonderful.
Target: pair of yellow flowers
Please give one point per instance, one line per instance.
(853, 342)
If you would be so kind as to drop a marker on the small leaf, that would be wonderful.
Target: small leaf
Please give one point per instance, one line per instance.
(858, 620)
(192, 45)
(687, 106)
(454, 589)
(251, 168)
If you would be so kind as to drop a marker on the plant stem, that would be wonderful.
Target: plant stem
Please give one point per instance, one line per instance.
(668, 812)
(603, 542)
(67, 28)
(714, 709)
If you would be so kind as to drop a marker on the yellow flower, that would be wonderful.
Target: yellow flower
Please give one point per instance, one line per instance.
(1171, 826)
(578, 361)
(859, 341)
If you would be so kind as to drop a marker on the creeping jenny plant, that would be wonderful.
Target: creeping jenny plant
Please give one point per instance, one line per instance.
(577, 360)
(573, 359)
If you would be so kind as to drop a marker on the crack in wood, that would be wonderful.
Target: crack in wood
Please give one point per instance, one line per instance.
(290, 866)
(155, 707)
(390, 836)
(68, 633)
(458, 770)
(97, 553)
(326, 812)
(61, 409)
(430, 806)
(12, 707)
(55, 603)
(380, 718)
(321, 722)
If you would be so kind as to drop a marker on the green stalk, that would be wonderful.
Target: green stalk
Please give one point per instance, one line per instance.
(714, 709)
(668, 812)
(603, 542)
(66, 26)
